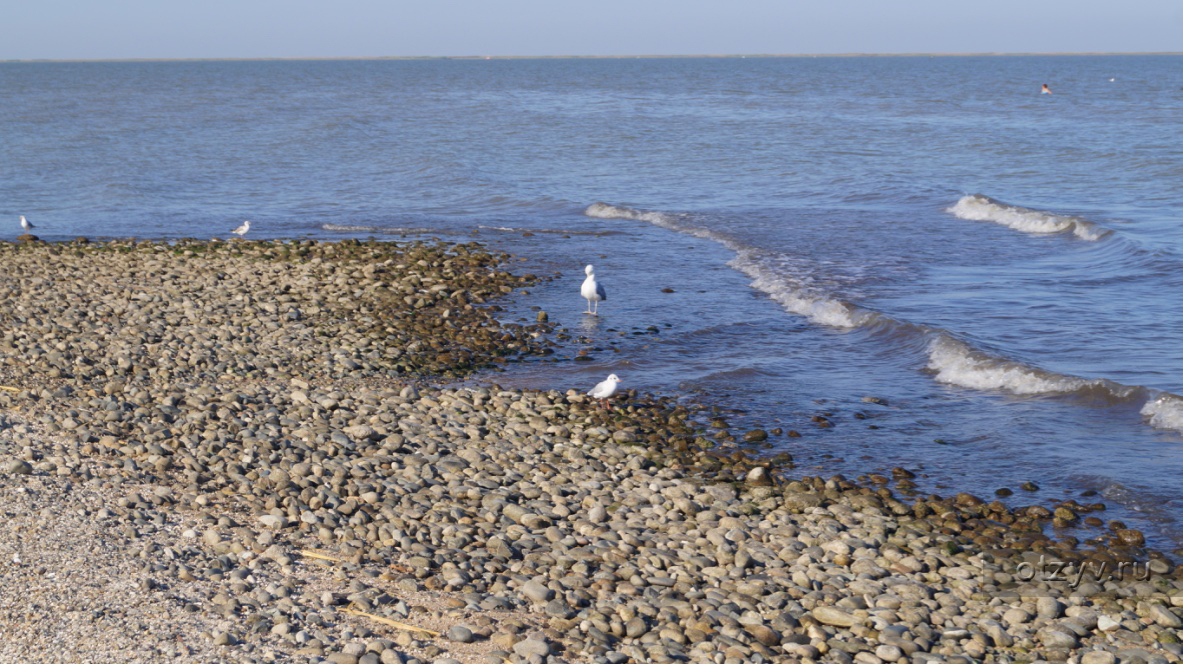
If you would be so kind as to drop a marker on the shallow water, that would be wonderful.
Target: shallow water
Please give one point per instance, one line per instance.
(999, 265)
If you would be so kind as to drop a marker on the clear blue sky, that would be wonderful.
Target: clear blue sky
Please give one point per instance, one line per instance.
(69, 29)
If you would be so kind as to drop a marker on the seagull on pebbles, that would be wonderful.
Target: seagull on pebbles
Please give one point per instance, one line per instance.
(592, 291)
(604, 390)
(241, 230)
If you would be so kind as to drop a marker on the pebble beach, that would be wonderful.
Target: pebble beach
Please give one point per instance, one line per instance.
(262, 452)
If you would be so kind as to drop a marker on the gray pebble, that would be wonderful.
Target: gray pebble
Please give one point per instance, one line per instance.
(18, 467)
(460, 634)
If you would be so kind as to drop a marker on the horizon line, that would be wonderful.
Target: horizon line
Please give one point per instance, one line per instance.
(593, 57)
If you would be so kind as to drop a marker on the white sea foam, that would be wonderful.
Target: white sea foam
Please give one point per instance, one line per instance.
(768, 274)
(957, 363)
(606, 211)
(1165, 412)
(674, 222)
(386, 230)
(954, 362)
(552, 231)
(976, 207)
(796, 296)
(348, 227)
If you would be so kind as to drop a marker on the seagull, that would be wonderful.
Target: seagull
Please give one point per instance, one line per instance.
(25, 224)
(605, 389)
(241, 230)
(592, 291)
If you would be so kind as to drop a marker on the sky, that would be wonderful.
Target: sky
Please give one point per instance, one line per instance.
(119, 29)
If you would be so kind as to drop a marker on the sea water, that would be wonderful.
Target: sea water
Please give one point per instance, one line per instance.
(779, 237)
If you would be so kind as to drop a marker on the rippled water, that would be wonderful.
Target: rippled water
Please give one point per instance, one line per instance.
(779, 236)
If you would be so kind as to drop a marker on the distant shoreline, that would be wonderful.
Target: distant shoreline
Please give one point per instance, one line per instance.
(586, 57)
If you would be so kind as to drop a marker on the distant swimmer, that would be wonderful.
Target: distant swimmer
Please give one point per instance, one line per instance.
(1046, 90)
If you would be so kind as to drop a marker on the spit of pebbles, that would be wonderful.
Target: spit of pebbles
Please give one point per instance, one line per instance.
(235, 452)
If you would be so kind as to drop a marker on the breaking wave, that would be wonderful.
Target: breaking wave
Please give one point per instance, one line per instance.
(955, 362)
(951, 360)
(1165, 411)
(976, 207)
(606, 211)
(789, 287)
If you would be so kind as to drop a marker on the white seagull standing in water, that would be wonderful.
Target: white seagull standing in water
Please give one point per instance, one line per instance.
(605, 389)
(592, 291)
(25, 224)
(241, 230)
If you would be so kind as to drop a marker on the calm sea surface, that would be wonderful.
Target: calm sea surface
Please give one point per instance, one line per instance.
(1003, 267)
